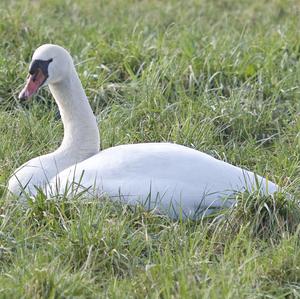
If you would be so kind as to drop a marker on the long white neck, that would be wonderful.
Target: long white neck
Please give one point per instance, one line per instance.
(81, 136)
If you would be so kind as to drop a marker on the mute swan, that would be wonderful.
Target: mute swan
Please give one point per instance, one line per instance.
(171, 178)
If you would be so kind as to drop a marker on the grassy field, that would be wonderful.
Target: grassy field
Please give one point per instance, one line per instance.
(219, 76)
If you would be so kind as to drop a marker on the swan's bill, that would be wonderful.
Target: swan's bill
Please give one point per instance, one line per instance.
(38, 74)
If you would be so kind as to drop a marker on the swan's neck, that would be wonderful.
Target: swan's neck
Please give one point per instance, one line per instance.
(81, 135)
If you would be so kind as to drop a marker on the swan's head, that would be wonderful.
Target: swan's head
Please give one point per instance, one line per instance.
(50, 64)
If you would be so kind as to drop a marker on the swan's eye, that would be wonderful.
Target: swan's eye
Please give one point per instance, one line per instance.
(40, 64)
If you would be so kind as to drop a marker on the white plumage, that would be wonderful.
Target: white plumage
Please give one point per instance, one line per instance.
(171, 178)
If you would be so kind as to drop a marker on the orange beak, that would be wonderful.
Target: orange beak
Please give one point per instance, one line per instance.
(34, 82)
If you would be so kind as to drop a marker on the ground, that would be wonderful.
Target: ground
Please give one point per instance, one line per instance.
(218, 76)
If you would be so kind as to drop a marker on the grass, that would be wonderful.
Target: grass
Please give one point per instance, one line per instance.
(218, 76)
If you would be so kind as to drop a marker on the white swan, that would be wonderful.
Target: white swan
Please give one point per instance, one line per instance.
(170, 177)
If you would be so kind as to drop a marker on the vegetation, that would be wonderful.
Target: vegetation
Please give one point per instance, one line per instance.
(218, 76)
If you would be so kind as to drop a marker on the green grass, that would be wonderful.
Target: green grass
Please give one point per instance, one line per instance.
(219, 76)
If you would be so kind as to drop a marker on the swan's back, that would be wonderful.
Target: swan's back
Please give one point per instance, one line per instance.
(164, 172)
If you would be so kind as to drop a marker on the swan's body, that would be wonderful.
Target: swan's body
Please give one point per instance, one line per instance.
(169, 177)
(172, 178)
